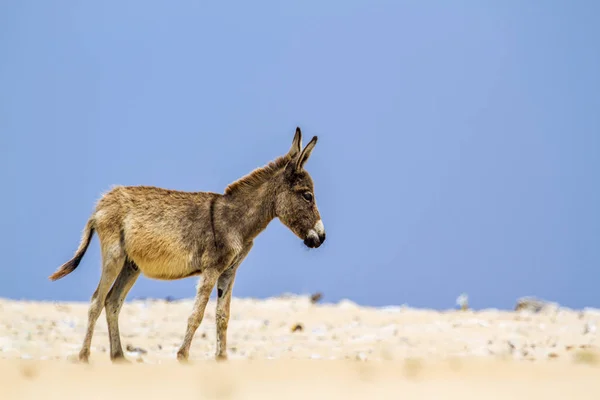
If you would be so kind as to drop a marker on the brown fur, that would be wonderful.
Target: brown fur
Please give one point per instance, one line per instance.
(168, 234)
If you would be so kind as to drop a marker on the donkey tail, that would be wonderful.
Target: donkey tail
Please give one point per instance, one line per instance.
(70, 265)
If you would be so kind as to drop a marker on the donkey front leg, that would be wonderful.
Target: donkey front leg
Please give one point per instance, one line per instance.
(205, 287)
(224, 290)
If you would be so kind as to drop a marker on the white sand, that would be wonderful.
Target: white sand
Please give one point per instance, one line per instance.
(343, 351)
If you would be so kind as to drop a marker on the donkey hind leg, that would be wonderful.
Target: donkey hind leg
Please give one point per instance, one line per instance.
(205, 287)
(113, 259)
(112, 307)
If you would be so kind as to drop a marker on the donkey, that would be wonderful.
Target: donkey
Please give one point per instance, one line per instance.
(168, 234)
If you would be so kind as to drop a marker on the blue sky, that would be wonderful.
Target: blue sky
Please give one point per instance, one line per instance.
(458, 141)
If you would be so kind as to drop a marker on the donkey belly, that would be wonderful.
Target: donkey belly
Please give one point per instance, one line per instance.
(160, 245)
(164, 264)
(167, 269)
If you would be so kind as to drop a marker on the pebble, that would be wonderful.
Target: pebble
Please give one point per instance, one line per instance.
(535, 305)
(139, 350)
(589, 327)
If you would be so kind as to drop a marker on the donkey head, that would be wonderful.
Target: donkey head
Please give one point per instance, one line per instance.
(295, 204)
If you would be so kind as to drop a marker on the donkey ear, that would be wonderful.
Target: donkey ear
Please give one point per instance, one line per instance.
(305, 153)
(296, 144)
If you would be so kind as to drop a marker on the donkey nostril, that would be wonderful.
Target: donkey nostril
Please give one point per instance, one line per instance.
(322, 237)
(312, 241)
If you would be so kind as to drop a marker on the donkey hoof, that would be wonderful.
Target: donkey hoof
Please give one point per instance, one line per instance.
(221, 357)
(84, 357)
(182, 358)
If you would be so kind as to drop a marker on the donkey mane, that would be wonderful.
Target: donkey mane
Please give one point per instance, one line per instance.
(258, 176)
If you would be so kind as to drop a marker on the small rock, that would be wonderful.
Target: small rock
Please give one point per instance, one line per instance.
(589, 328)
(297, 328)
(463, 301)
(139, 350)
(316, 297)
(534, 305)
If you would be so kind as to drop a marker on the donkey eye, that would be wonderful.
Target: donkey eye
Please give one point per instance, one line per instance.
(307, 196)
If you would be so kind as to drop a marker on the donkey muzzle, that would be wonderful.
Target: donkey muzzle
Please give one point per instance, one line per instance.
(316, 236)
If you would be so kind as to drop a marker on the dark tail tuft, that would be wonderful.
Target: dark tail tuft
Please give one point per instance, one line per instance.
(70, 265)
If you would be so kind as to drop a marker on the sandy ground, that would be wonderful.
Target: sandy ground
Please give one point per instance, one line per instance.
(335, 351)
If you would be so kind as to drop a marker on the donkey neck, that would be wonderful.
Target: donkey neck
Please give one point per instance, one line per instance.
(249, 210)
